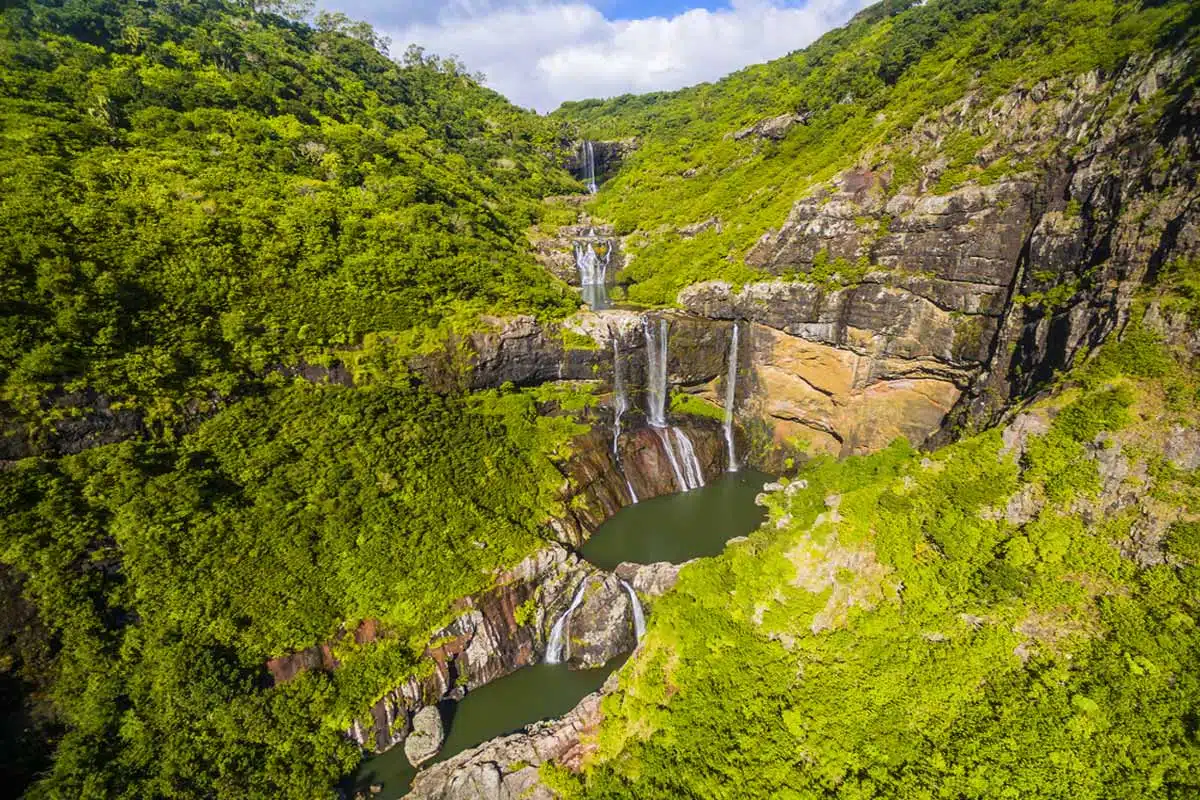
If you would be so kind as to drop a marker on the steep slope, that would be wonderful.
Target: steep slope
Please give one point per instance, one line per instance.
(198, 198)
(1013, 615)
(197, 193)
(973, 188)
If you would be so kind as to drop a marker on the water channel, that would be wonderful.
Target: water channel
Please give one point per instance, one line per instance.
(674, 528)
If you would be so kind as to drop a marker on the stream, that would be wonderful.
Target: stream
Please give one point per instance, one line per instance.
(674, 528)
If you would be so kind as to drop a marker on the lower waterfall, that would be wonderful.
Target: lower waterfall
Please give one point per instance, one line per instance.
(557, 645)
(639, 617)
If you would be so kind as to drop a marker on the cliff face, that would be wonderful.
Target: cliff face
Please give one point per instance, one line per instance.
(971, 296)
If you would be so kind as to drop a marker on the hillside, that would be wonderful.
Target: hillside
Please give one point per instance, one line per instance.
(303, 427)
(738, 153)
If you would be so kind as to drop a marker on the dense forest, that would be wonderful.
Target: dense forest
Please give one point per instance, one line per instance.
(194, 193)
(196, 196)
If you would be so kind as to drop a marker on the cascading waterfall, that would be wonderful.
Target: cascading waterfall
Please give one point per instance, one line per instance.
(556, 647)
(639, 616)
(680, 453)
(593, 269)
(664, 436)
(692, 473)
(730, 391)
(620, 406)
(589, 167)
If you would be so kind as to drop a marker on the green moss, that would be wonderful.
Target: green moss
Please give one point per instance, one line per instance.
(690, 404)
(573, 340)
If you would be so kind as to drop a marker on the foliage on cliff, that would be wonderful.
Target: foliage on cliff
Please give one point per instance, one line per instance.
(193, 192)
(1012, 616)
(169, 574)
(849, 100)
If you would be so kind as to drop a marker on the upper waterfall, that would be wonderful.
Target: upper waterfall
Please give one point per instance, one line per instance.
(589, 167)
(678, 447)
(656, 371)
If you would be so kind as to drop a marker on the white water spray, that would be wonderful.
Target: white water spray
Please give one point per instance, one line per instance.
(656, 371)
(692, 473)
(557, 646)
(730, 391)
(593, 268)
(639, 617)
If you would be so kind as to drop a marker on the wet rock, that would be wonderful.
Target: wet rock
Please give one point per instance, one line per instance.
(427, 736)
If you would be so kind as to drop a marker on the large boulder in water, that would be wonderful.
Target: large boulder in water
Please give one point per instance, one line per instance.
(601, 627)
(427, 736)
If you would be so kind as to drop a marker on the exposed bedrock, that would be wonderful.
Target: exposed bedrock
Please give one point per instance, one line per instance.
(508, 627)
(507, 768)
(1021, 274)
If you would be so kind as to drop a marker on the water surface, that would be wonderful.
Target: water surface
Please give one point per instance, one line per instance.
(680, 527)
(543, 691)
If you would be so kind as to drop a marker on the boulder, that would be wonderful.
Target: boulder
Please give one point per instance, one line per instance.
(427, 736)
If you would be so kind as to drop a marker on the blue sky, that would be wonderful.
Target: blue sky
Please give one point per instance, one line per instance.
(632, 9)
(540, 53)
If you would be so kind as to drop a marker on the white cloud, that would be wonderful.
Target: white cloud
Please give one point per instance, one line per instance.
(540, 52)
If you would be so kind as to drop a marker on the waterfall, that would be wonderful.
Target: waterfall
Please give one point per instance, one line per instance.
(664, 436)
(556, 647)
(639, 617)
(589, 167)
(730, 391)
(692, 472)
(592, 268)
(680, 453)
(656, 371)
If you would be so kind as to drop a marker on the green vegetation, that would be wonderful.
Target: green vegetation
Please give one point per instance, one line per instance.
(195, 192)
(193, 195)
(860, 89)
(684, 403)
(171, 573)
(895, 631)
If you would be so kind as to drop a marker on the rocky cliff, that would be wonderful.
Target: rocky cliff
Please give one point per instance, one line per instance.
(944, 291)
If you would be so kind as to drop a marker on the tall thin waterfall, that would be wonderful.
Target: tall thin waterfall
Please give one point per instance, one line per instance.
(589, 167)
(639, 616)
(730, 391)
(680, 453)
(558, 644)
(656, 371)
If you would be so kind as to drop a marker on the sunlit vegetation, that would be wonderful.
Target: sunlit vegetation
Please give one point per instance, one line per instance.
(194, 192)
(899, 629)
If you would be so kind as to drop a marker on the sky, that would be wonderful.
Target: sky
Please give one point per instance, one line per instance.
(539, 53)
